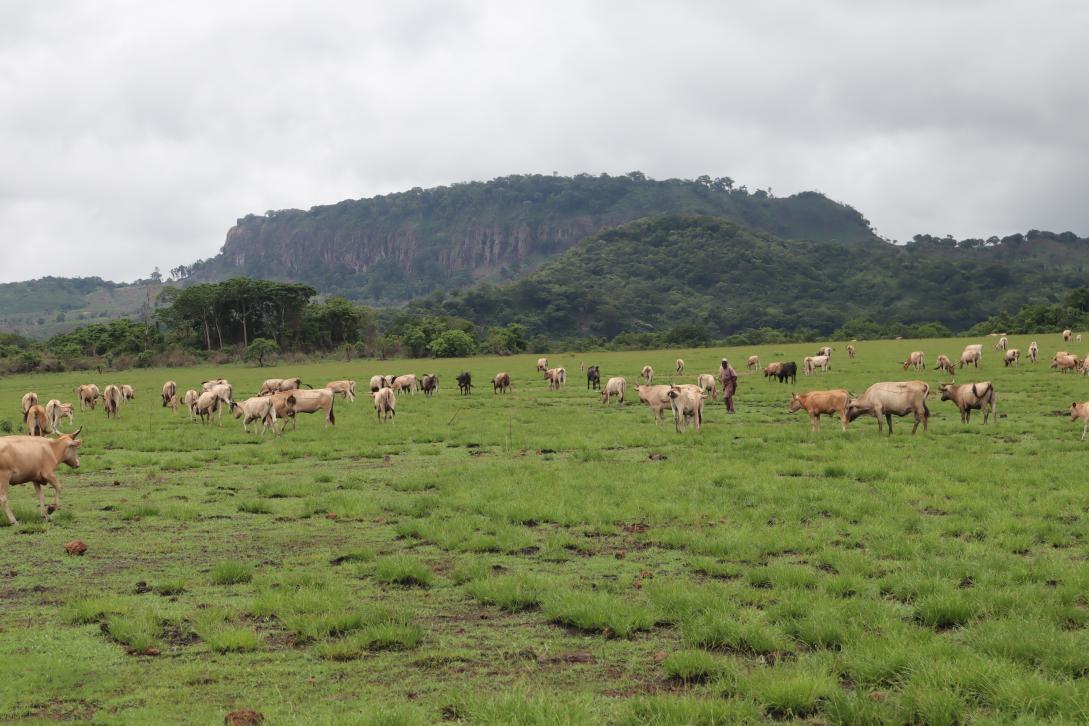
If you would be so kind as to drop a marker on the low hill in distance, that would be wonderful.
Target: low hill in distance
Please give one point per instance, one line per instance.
(51, 305)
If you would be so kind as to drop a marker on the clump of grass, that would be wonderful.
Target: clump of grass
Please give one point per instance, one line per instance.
(91, 609)
(139, 512)
(512, 593)
(139, 630)
(402, 570)
(359, 554)
(231, 572)
(673, 709)
(254, 507)
(945, 610)
(323, 623)
(384, 636)
(692, 666)
(167, 588)
(230, 639)
(789, 691)
(597, 612)
(323, 478)
(714, 568)
(280, 490)
(469, 569)
(521, 707)
(727, 631)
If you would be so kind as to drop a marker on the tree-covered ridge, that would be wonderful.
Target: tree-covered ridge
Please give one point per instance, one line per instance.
(654, 274)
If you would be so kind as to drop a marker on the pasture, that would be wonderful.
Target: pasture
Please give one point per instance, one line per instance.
(538, 557)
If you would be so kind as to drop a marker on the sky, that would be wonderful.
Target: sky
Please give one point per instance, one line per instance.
(134, 134)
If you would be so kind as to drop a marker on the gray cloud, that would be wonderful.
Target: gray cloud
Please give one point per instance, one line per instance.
(134, 134)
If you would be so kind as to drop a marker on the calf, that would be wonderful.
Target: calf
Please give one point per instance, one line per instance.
(35, 459)
(593, 377)
(970, 397)
(1078, 412)
(55, 411)
(614, 387)
(345, 389)
(944, 364)
(465, 383)
(170, 390)
(385, 404)
(429, 384)
(1012, 357)
(818, 403)
(915, 360)
(753, 362)
(647, 374)
(258, 408)
(36, 422)
(687, 405)
(501, 383)
(190, 401)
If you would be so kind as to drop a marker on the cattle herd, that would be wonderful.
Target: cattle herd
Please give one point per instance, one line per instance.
(34, 457)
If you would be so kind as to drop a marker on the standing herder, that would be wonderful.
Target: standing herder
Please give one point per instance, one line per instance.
(727, 376)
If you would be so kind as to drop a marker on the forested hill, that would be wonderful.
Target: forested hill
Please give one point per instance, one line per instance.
(394, 248)
(655, 274)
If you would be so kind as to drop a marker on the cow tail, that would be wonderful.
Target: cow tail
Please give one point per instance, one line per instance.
(926, 409)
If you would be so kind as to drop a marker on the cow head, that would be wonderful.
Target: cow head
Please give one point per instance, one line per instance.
(673, 393)
(796, 402)
(70, 453)
(855, 408)
(1074, 411)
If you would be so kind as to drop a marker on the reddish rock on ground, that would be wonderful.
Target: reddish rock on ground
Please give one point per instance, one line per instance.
(75, 547)
(245, 717)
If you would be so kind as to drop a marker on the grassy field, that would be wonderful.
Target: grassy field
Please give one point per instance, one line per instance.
(541, 558)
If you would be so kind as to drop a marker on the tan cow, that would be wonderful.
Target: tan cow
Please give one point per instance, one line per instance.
(753, 362)
(892, 398)
(407, 382)
(1012, 357)
(385, 404)
(915, 360)
(88, 395)
(656, 398)
(36, 422)
(290, 403)
(1078, 412)
(1066, 362)
(55, 411)
(208, 404)
(501, 383)
(35, 459)
(851, 352)
(708, 384)
(190, 401)
(174, 403)
(1077, 338)
(615, 386)
(1002, 343)
(279, 385)
(1067, 335)
(170, 390)
(542, 365)
(971, 355)
(818, 403)
(813, 363)
(1034, 352)
(345, 389)
(944, 364)
(826, 351)
(252, 410)
(687, 405)
(212, 383)
(772, 369)
(647, 374)
(556, 378)
(29, 401)
(970, 397)
(378, 383)
(128, 392)
(679, 364)
(111, 400)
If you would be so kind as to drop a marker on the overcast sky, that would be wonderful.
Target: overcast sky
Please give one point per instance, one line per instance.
(134, 134)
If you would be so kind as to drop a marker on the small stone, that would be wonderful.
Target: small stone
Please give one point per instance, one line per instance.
(660, 656)
(75, 547)
(330, 515)
(244, 717)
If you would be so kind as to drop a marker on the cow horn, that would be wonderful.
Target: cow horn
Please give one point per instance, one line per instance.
(75, 435)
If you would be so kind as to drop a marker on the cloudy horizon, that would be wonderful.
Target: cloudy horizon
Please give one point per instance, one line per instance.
(136, 134)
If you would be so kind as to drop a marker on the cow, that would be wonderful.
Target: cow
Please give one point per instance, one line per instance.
(788, 370)
(280, 385)
(35, 459)
(892, 398)
(915, 360)
(29, 401)
(501, 383)
(55, 411)
(813, 363)
(174, 403)
(1065, 362)
(170, 390)
(556, 378)
(1078, 412)
(88, 395)
(252, 410)
(380, 382)
(210, 403)
(826, 351)
(647, 374)
(429, 384)
(679, 365)
(1067, 335)
(1077, 338)
(1085, 365)
(212, 383)
(111, 400)
(656, 397)
(290, 403)
(687, 405)
(708, 384)
(1012, 357)
(972, 354)
(1034, 352)
(345, 389)
(970, 397)
(944, 364)
(128, 392)
(1002, 344)
(772, 369)
(614, 387)
(753, 362)
(542, 365)
(851, 352)
(37, 424)
(818, 403)
(190, 401)
(593, 377)
(465, 383)
(385, 404)
(406, 382)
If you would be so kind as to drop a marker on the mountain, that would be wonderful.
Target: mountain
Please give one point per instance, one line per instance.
(51, 305)
(393, 248)
(658, 273)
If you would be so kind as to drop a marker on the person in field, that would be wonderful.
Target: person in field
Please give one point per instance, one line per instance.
(727, 376)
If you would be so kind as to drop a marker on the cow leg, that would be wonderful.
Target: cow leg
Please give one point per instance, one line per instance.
(843, 420)
(1084, 431)
(888, 419)
(5, 479)
(41, 499)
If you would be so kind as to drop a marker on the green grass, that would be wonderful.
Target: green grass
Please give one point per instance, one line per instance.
(523, 559)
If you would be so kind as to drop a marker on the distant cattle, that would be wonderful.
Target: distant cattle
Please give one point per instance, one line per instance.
(208, 404)
(556, 378)
(788, 370)
(753, 362)
(55, 411)
(822, 403)
(542, 365)
(1067, 335)
(190, 401)
(128, 392)
(1012, 357)
(944, 364)
(593, 377)
(429, 384)
(88, 395)
(212, 383)
(465, 383)
(972, 355)
(291, 403)
(406, 382)
(279, 385)
(892, 398)
(378, 383)
(679, 366)
(111, 400)
(814, 363)
(35, 459)
(1078, 412)
(1002, 343)
(1034, 352)
(851, 352)
(656, 398)
(37, 424)
(1066, 362)
(501, 383)
(970, 397)
(257, 409)
(708, 384)
(615, 386)
(647, 374)
(687, 405)
(771, 370)
(28, 401)
(915, 360)
(385, 404)
(345, 389)
(170, 390)
(826, 350)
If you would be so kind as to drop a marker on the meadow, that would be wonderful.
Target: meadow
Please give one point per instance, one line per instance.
(540, 558)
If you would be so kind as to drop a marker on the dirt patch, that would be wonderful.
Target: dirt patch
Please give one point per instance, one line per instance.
(576, 657)
(244, 717)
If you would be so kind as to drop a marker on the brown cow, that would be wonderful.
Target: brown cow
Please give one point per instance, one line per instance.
(972, 354)
(542, 365)
(36, 422)
(190, 401)
(556, 377)
(252, 410)
(772, 369)
(385, 404)
(818, 403)
(55, 411)
(944, 364)
(29, 401)
(1067, 335)
(111, 400)
(170, 390)
(406, 382)
(1078, 412)
(915, 360)
(34, 459)
(708, 383)
(970, 397)
(892, 398)
(212, 383)
(1002, 343)
(501, 383)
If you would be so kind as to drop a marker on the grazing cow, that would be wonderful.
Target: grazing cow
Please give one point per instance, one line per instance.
(212, 383)
(111, 400)
(753, 362)
(1078, 412)
(346, 389)
(679, 364)
(818, 403)
(55, 411)
(501, 383)
(1067, 335)
(647, 374)
(542, 365)
(915, 360)
(465, 383)
(614, 387)
(788, 370)
(429, 384)
(174, 403)
(972, 354)
(944, 364)
(210, 403)
(37, 424)
(35, 459)
(970, 397)
(385, 404)
(290, 403)
(826, 351)
(380, 382)
(128, 392)
(813, 363)
(593, 377)
(1012, 357)
(687, 405)
(1034, 352)
(1065, 362)
(1002, 343)
(29, 401)
(772, 369)
(407, 382)
(190, 401)
(1077, 338)
(280, 385)
(708, 384)
(893, 398)
(170, 390)
(656, 397)
(851, 352)
(88, 395)
(556, 378)
(258, 408)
